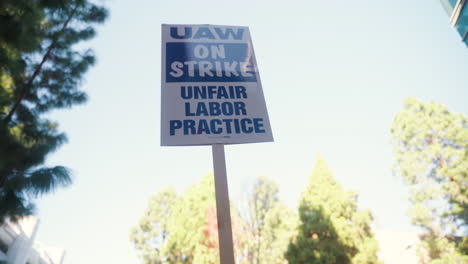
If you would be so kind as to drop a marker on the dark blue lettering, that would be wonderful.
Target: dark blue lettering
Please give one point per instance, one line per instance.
(237, 126)
(246, 129)
(227, 108)
(189, 125)
(214, 129)
(229, 31)
(203, 32)
(187, 110)
(241, 92)
(222, 93)
(173, 125)
(200, 92)
(231, 92)
(211, 91)
(258, 125)
(203, 127)
(187, 33)
(240, 108)
(201, 110)
(214, 109)
(228, 123)
(186, 93)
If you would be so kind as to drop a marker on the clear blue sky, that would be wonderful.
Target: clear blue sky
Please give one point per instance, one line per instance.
(334, 74)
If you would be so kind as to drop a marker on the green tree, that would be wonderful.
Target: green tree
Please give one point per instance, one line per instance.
(431, 147)
(270, 224)
(40, 70)
(179, 229)
(153, 229)
(332, 229)
(184, 229)
(192, 238)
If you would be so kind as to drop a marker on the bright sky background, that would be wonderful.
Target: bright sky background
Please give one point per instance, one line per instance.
(334, 75)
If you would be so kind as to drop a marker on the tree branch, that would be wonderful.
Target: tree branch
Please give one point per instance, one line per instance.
(25, 88)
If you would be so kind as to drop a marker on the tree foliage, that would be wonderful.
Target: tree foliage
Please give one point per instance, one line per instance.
(179, 229)
(40, 70)
(431, 147)
(331, 229)
(270, 224)
(153, 229)
(183, 229)
(192, 238)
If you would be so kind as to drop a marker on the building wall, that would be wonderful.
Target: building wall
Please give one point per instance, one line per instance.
(457, 10)
(18, 245)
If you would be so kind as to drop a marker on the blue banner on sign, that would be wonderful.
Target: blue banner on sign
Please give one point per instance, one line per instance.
(209, 62)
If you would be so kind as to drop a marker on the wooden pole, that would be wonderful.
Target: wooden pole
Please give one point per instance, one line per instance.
(226, 249)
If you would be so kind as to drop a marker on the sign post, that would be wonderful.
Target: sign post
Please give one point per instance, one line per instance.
(211, 94)
(226, 252)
